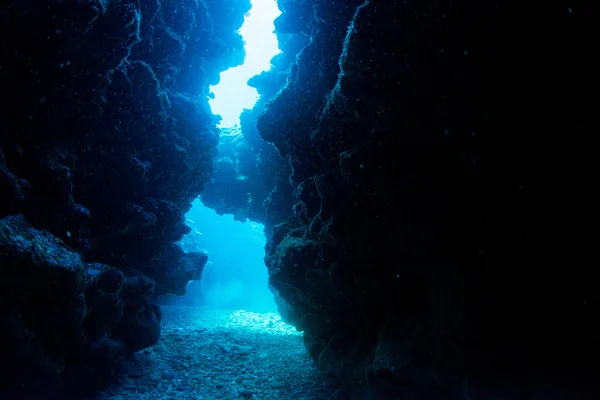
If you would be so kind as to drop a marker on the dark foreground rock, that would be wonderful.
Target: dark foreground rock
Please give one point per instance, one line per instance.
(427, 185)
(65, 319)
(106, 138)
(443, 224)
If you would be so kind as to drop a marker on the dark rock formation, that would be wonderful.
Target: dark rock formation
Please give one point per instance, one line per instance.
(62, 317)
(424, 171)
(112, 132)
(106, 138)
(442, 224)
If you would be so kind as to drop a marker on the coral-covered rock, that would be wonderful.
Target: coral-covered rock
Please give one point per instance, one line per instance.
(106, 137)
(133, 139)
(422, 168)
(422, 183)
(140, 325)
(61, 315)
(437, 158)
(176, 268)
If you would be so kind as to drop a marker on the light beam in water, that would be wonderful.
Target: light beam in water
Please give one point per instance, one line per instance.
(232, 95)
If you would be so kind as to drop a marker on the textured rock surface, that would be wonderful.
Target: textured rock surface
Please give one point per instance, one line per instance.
(252, 179)
(106, 137)
(62, 317)
(439, 156)
(427, 185)
(111, 132)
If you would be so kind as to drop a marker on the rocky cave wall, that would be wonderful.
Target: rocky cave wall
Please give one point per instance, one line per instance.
(251, 178)
(439, 158)
(106, 137)
(423, 170)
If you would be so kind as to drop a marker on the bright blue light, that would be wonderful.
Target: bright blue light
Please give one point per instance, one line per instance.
(232, 94)
(235, 276)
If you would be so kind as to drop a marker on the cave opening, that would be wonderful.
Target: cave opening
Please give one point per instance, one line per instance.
(232, 94)
(235, 278)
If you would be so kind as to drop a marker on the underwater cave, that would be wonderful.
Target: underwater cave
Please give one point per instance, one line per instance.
(235, 278)
(298, 199)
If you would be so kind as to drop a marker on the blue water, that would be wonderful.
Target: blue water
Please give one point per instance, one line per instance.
(235, 276)
(232, 94)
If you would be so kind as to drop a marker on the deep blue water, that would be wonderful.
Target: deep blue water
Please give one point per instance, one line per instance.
(235, 276)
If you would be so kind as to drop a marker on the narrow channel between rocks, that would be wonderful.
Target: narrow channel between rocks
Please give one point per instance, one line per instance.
(208, 354)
